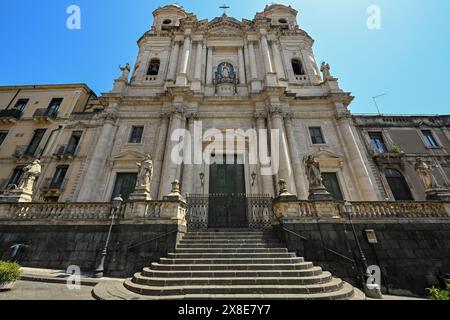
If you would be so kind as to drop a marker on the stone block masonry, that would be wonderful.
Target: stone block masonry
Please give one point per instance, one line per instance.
(59, 246)
(410, 254)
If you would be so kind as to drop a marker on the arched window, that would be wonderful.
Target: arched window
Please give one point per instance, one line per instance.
(398, 185)
(153, 68)
(298, 67)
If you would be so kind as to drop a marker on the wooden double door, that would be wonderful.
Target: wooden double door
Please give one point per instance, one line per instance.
(227, 199)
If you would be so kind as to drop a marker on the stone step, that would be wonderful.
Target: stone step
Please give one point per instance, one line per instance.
(313, 271)
(333, 285)
(237, 239)
(203, 281)
(229, 245)
(115, 291)
(243, 260)
(227, 241)
(232, 250)
(246, 266)
(205, 255)
(228, 236)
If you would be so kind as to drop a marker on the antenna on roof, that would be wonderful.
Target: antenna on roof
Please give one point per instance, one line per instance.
(375, 101)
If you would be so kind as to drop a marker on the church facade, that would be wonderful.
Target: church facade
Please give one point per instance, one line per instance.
(207, 77)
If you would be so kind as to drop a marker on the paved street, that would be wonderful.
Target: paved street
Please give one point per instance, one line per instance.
(29, 290)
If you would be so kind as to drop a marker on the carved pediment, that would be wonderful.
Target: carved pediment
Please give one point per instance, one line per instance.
(328, 159)
(128, 155)
(225, 30)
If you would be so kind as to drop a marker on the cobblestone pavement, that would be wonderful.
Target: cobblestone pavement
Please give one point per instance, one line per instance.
(29, 290)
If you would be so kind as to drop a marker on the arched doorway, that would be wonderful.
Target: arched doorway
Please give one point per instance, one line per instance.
(398, 185)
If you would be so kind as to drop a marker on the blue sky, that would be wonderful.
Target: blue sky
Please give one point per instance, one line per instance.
(408, 59)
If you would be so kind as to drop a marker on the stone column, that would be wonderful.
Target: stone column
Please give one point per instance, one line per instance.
(297, 163)
(188, 171)
(253, 70)
(90, 189)
(171, 169)
(267, 181)
(198, 61)
(356, 160)
(182, 76)
(266, 54)
(209, 71)
(285, 169)
(186, 54)
(173, 61)
(159, 155)
(241, 66)
(278, 61)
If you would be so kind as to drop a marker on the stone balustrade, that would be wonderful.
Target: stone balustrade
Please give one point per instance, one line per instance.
(291, 211)
(399, 210)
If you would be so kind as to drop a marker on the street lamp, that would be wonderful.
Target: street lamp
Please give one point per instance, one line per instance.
(116, 203)
(253, 178)
(348, 209)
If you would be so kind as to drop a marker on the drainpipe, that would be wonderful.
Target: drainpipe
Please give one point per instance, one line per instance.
(14, 98)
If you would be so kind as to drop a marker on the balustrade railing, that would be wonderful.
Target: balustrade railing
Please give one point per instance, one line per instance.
(398, 209)
(64, 211)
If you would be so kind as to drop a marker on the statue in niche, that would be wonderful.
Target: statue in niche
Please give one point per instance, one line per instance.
(225, 72)
(424, 172)
(145, 175)
(313, 172)
(30, 173)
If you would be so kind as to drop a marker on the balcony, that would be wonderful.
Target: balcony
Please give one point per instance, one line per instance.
(22, 153)
(53, 188)
(65, 152)
(384, 157)
(10, 116)
(45, 115)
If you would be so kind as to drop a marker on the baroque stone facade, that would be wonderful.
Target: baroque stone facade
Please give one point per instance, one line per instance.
(224, 74)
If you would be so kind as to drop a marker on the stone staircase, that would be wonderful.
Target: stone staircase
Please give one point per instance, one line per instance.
(230, 265)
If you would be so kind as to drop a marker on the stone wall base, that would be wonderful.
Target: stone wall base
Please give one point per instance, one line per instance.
(60, 246)
(410, 254)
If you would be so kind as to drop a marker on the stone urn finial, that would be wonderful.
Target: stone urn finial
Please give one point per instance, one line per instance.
(176, 187)
(283, 187)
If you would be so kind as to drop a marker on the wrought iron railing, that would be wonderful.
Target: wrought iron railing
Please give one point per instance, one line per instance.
(45, 113)
(259, 209)
(11, 113)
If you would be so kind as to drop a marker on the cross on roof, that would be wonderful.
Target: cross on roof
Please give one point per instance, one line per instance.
(224, 7)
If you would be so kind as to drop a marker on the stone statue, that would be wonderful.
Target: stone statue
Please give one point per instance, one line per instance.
(125, 71)
(424, 172)
(225, 72)
(325, 69)
(31, 172)
(145, 175)
(313, 172)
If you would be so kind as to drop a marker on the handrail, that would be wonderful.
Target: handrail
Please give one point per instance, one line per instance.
(306, 239)
(151, 240)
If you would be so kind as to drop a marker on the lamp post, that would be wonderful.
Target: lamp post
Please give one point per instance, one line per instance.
(348, 209)
(116, 203)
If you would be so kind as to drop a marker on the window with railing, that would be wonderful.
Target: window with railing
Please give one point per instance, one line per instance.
(377, 142)
(16, 176)
(297, 66)
(51, 111)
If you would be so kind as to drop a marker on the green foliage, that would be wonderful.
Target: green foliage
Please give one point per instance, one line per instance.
(9, 271)
(395, 149)
(439, 294)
